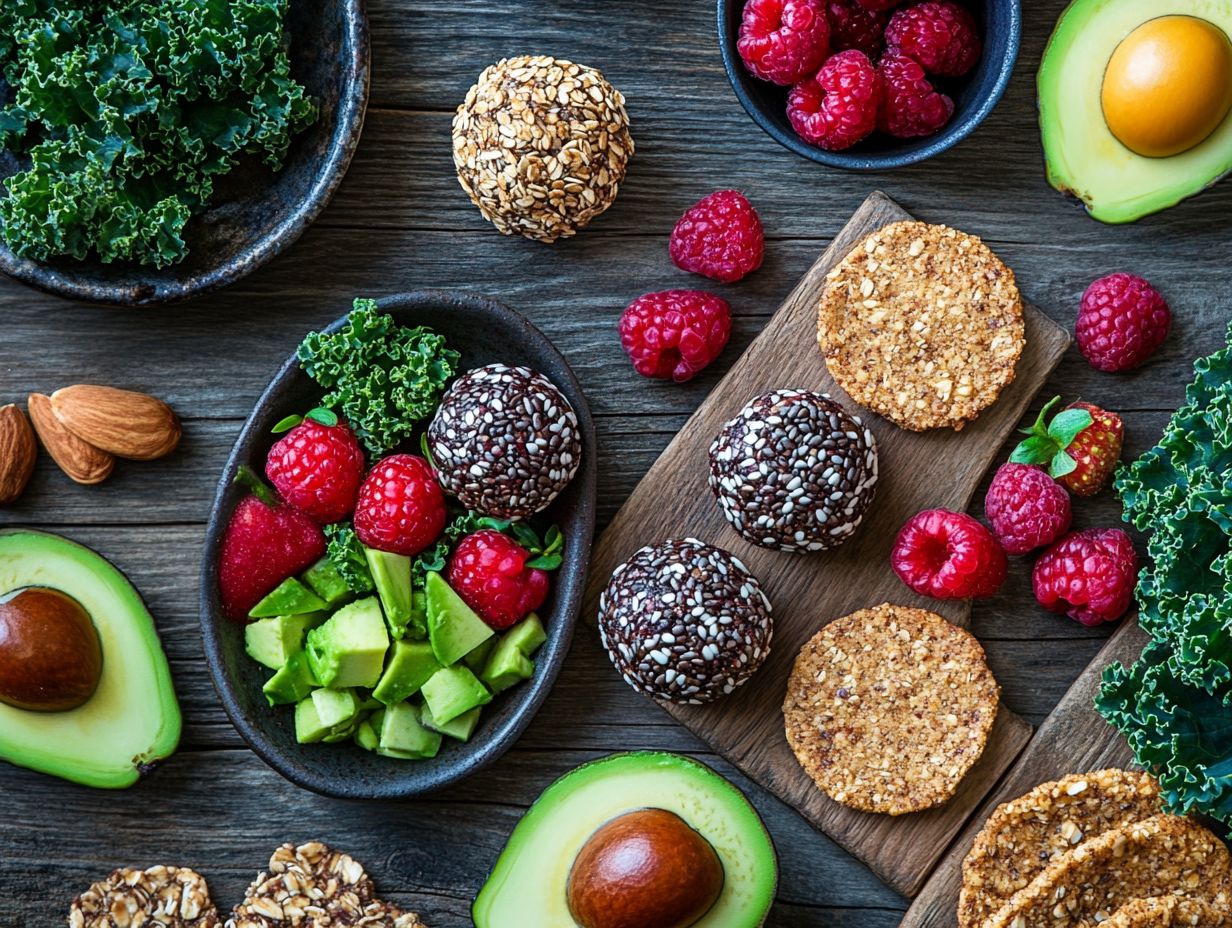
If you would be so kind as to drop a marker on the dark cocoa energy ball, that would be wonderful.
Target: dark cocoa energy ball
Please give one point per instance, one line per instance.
(685, 622)
(505, 441)
(794, 471)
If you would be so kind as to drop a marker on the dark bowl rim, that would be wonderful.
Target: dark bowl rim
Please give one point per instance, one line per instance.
(296, 219)
(950, 136)
(560, 634)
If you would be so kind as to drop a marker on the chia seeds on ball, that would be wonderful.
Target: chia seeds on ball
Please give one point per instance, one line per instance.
(685, 622)
(505, 441)
(794, 471)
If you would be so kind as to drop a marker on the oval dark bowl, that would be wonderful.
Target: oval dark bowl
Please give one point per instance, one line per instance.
(975, 95)
(484, 331)
(256, 213)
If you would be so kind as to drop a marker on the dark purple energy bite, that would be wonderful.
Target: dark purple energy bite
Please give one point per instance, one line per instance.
(685, 622)
(794, 471)
(505, 441)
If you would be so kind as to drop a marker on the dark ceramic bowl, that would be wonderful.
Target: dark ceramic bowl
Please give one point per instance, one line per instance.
(975, 95)
(484, 331)
(256, 213)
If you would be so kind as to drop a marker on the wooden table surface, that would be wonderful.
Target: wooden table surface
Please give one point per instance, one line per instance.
(401, 222)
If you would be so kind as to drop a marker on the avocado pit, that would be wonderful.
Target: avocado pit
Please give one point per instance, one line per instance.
(51, 659)
(644, 869)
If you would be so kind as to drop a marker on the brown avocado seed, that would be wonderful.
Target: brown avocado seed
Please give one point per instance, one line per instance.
(644, 869)
(50, 656)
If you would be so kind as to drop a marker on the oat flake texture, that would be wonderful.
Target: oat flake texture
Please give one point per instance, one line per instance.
(541, 146)
(175, 897)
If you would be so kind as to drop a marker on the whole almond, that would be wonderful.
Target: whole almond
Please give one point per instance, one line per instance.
(80, 460)
(121, 422)
(18, 452)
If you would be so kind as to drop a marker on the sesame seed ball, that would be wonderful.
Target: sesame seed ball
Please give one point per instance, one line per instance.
(541, 145)
(505, 441)
(794, 471)
(685, 622)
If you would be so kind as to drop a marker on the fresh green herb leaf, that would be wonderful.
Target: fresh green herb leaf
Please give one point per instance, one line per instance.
(285, 425)
(526, 536)
(545, 562)
(1065, 427)
(1034, 450)
(346, 553)
(1047, 439)
(325, 417)
(1061, 464)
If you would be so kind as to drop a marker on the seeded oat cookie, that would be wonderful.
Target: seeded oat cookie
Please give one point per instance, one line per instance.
(888, 708)
(1023, 836)
(159, 896)
(921, 324)
(1161, 856)
(1170, 912)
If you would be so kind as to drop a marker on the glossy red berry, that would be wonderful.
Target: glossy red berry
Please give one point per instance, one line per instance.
(879, 6)
(854, 26)
(837, 108)
(783, 40)
(675, 333)
(401, 507)
(488, 570)
(911, 107)
(318, 469)
(1027, 508)
(940, 34)
(948, 555)
(1089, 576)
(1122, 322)
(719, 237)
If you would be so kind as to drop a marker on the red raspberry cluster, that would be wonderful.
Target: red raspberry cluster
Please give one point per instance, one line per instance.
(854, 67)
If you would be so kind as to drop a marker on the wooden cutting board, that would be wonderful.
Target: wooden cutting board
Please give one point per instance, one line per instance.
(918, 471)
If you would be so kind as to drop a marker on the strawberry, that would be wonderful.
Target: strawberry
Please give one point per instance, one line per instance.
(1080, 446)
(265, 542)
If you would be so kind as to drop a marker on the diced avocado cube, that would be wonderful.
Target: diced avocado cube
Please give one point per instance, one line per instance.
(461, 728)
(324, 579)
(323, 714)
(507, 667)
(349, 649)
(417, 628)
(392, 575)
(308, 727)
(477, 658)
(365, 735)
(369, 703)
(453, 627)
(403, 735)
(527, 636)
(293, 681)
(452, 691)
(288, 598)
(411, 664)
(272, 641)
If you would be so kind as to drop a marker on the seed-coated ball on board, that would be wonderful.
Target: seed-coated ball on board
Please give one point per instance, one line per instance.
(794, 471)
(685, 622)
(505, 441)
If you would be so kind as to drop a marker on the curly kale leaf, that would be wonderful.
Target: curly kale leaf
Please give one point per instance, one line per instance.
(382, 377)
(346, 553)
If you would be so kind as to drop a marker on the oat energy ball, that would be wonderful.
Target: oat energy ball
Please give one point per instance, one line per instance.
(794, 471)
(505, 441)
(922, 324)
(888, 708)
(541, 145)
(685, 622)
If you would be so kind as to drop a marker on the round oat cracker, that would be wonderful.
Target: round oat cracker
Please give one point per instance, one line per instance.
(1169, 912)
(1023, 836)
(888, 708)
(921, 324)
(158, 897)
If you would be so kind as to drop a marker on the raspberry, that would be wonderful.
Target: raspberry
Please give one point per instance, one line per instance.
(854, 26)
(939, 34)
(838, 107)
(910, 106)
(1122, 321)
(675, 333)
(719, 237)
(948, 555)
(1027, 508)
(879, 6)
(317, 469)
(401, 507)
(488, 570)
(1088, 575)
(783, 40)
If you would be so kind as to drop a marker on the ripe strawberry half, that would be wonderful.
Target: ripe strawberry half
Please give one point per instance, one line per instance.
(1080, 446)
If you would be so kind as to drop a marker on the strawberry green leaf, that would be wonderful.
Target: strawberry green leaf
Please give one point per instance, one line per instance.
(1061, 465)
(1038, 449)
(545, 562)
(526, 536)
(1068, 423)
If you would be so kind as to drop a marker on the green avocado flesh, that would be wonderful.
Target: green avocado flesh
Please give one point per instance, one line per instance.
(133, 719)
(1083, 157)
(527, 888)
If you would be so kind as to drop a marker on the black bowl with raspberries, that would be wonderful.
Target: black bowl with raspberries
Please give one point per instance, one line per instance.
(869, 85)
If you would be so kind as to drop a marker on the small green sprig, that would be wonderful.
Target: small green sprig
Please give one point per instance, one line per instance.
(1047, 441)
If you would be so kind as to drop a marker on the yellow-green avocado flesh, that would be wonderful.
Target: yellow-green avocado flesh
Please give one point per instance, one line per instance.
(527, 888)
(1083, 157)
(133, 719)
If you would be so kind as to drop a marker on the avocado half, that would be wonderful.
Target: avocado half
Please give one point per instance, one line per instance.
(1083, 157)
(528, 885)
(132, 720)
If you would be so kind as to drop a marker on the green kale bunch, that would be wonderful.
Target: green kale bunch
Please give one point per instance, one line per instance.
(128, 111)
(1175, 704)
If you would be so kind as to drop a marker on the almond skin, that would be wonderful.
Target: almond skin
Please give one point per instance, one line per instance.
(81, 461)
(18, 452)
(125, 423)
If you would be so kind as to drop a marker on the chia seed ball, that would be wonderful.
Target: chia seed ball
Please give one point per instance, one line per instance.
(505, 441)
(794, 471)
(685, 622)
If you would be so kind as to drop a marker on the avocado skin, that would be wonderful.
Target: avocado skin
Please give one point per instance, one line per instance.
(133, 720)
(527, 887)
